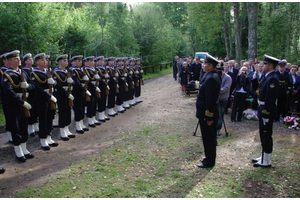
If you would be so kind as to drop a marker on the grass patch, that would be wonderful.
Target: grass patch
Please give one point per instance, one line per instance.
(157, 72)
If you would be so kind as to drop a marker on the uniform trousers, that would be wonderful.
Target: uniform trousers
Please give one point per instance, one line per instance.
(91, 106)
(238, 103)
(112, 94)
(79, 104)
(64, 117)
(265, 132)
(45, 115)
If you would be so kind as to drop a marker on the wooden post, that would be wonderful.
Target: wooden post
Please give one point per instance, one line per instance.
(166, 65)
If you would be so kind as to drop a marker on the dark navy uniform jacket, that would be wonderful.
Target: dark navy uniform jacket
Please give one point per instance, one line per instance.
(283, 81)
(60, 76)
(78, 85)
(268, 93)
(209, 90)
(40, 80)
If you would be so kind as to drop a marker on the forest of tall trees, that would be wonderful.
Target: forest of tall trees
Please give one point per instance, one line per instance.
(153, 31)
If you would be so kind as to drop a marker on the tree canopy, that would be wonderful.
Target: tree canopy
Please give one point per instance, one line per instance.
(153, 31)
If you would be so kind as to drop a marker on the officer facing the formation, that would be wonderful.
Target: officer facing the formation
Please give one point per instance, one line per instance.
(63, 95)
(207, 109)
(42, 83)
(14, 86)
(33, 126)
(79, 92)
(268, 93)
(2, 70)
(113, 85)
(93, 77)
(101, 102)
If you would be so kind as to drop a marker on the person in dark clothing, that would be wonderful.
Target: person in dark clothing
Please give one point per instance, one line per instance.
(184, 77)
(175, 68)
(242, 86)
(207, 110)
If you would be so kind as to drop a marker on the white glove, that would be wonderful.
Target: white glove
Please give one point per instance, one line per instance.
(130, 72)
(117, 85)
(125, 75)
(27, 105)
(265, 121)
(108, 87)
(142, 71)
(85, 78)
(24, 85)
(97, 77)
(70, 80)
(136, 72)
(51, 81)
(123, 78)
(116, 74)
(126, 84)
(71, 97)
(53, 99)
(88, 93)
(97, 89)
(106, 76)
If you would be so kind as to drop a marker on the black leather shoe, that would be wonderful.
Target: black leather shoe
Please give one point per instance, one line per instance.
(10, 141)
(29, 156)
(55, 144)
(65, 138)
(254, 161)
(72, 136)
(97, 123)
(107, 118)
(111, 115)
(102, 120)
(264, 166)
(203, 166)
(86, 129)
(21, 159)
(32, 134)
(2, 170)
(92, 125)
(121, 111)
(80, 131)
(46, 148)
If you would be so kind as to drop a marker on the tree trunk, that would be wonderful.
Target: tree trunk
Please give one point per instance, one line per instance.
(252, 30)
(237, 35)
(229, 32)
(224, 30)
(296, 33)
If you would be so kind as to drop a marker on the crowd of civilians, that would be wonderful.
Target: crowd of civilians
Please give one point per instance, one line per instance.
(240, 81)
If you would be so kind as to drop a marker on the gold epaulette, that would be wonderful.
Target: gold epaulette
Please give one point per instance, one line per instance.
(209, 114)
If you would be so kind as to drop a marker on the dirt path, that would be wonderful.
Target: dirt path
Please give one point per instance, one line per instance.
(162, 102)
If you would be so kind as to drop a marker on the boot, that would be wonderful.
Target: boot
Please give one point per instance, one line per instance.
(63, 134)
(91, 122)
(83, 126)
(19, 153)
(131, 102)
(27, 154)
(255, 160)
(9, 137)
(50, 142)
(69, 134)
(79, 128)
(137, 100)
(111, 112)
(2, 170)
(96, 122)
(44, 144)
(265, 161)
(120, 109)
(31, 130)
(101, 117)
(36, 127)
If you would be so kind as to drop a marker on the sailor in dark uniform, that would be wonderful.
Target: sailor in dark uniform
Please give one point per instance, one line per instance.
(207, 109)
(283, 77)
(79, 92)
(133, 79)
(121, 82)
(268, 93)
(101, 102)
(2, 70)
(33, 126)
(63, 96)
(93, 77)
(42, 83)
(127, 83)
(113, 85)
(13, 87)
(139, 74)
